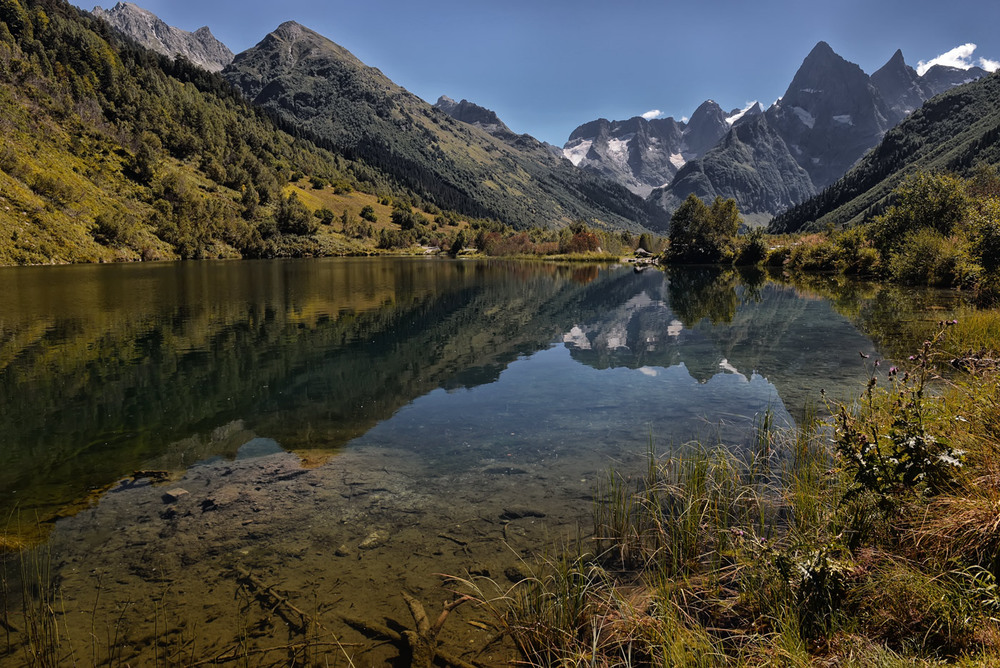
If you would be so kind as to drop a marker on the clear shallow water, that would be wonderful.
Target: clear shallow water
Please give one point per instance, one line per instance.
(331, 420)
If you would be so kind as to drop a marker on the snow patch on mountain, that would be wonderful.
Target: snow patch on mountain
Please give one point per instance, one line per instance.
(743, 112)
(807, 119)
(577, 152)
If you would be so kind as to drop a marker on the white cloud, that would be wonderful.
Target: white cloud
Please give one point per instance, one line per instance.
(960, 57)
(989, 65)
(684, 119)
(652, 113)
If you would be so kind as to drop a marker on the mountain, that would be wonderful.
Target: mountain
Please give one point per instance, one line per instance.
(940, 78)
(753, 163)
(900, 86)
(956, 131)
(831, 114)
(467, 112)
(200, 47)
(308, 80)
(111, 152)
(645, 154)
(487, 121)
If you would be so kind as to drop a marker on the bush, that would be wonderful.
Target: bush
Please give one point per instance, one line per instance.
(294, 218)
(390, 239)
(325, 216)
(924, 200)
(926, 257)
(814, 257)
(752, 250)
(368, 213)
(407, 219)
(113, 229)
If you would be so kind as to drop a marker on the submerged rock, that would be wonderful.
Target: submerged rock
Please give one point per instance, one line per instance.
(174, 495)
(376, 538)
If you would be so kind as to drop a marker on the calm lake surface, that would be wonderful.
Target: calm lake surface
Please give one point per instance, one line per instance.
(348, 429)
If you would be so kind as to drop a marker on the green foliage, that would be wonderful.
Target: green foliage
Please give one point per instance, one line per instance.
(459, 243)
(325, 216)
(16, 18)
(293, 217)
(926, 257)
(984, 233)
(923, 200)
(389, 239)
(368, 213)
(114, 229)
(145, 157)
(752, 249)
(888, 450)
(406, 218)
(700, 234)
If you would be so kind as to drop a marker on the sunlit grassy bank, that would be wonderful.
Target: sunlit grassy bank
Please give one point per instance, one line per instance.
(872, 538)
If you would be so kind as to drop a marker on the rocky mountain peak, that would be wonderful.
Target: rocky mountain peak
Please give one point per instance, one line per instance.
(200, 47)
(706, 127)
(899, 86)
(473, 114)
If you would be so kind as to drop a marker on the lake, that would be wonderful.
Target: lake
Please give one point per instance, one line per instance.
(177, 437)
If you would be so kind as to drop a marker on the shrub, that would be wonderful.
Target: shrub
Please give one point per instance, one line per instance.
(752, 250)
(113, 228)
(294, 218)
(926, 257)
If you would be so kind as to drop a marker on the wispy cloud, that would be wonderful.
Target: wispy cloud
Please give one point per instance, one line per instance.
(652, 113)
(960, 57)
(989, 65)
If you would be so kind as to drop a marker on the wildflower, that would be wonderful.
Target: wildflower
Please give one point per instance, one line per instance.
(863, 356)
(951, 322)
(876, 362)
(893, 371)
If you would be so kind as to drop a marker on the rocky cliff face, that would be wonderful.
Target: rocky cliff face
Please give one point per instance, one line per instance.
(200, 46)
(473, 114)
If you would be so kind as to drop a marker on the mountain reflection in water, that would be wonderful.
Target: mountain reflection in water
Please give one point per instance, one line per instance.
(108, 369)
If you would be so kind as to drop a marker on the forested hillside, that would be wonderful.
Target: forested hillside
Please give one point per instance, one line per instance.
(111, 152)
(956, 131)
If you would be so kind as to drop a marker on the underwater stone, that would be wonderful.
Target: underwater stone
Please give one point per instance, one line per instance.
(376, 538)
(173, 495)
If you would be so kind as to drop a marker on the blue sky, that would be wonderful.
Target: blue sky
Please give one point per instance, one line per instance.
(546, 66)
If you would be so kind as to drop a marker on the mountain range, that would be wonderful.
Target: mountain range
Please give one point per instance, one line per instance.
(110, 151)
(768, 160)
